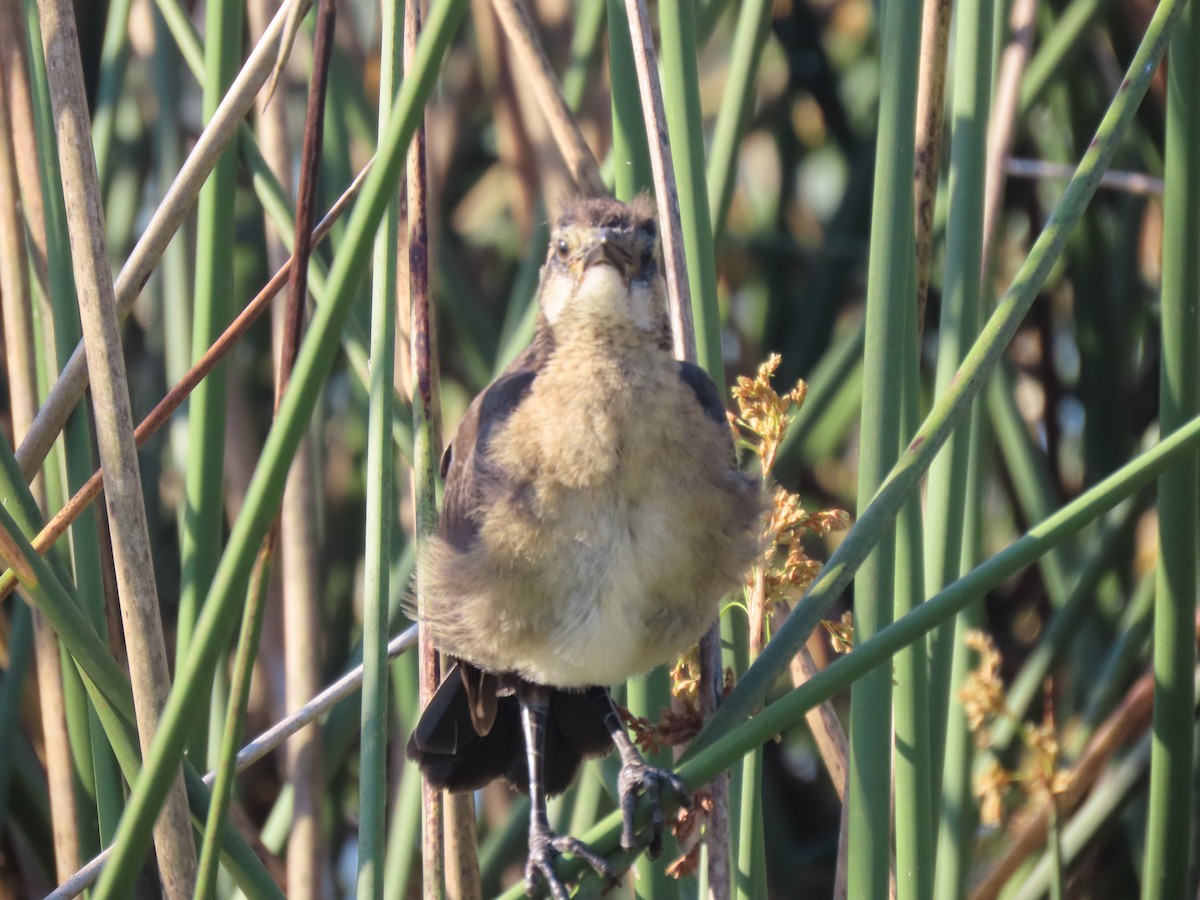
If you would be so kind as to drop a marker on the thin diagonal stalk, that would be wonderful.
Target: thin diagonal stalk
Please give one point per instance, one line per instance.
(342, 728)
(114, 423)
(953, 405)
(380, 501)
(263, 494)
(890, 301)
(1172, 779)
(281, 211)
(167, 217)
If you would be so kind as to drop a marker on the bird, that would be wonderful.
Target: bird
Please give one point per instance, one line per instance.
(593, 518)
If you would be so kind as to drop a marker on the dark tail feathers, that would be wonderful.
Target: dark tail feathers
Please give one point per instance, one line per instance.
(454, 755)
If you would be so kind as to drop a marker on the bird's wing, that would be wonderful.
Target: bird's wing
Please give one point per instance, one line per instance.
(464, 464)
(704, 389)
(468, 477)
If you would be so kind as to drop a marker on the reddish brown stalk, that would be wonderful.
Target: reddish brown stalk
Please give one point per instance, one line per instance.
(158, 416)
(314, 129)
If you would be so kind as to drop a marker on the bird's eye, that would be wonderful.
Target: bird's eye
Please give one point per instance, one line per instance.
(563, 249)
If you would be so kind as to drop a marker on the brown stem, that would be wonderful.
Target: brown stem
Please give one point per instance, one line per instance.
(134, 566)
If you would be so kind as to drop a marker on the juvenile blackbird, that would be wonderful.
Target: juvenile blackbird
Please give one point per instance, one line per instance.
(593, 518)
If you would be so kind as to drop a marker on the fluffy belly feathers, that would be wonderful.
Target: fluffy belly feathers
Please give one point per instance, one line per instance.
(619, 611)
(612, 546)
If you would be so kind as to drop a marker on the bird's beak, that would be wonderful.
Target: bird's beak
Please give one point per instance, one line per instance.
(612, 250)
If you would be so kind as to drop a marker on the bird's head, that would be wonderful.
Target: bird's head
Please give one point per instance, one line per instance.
(602, 272)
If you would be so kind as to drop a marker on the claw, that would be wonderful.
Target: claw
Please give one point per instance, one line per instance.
(639, 777)
(544, 847)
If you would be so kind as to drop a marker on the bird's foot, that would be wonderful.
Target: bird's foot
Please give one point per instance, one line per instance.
(637, 776)
(544, 847)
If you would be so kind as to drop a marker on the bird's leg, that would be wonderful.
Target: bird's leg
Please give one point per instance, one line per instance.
(636, 775)
(544, 844)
